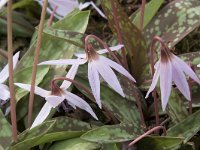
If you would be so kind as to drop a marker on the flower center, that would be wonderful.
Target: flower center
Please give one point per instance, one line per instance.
(91, 53)
(165, 55)
(55, 90)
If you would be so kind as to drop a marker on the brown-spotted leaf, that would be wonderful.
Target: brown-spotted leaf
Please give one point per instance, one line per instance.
(5, 132)
(133, 40)
(174, 21)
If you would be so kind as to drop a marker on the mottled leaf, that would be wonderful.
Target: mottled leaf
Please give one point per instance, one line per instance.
(57, 129)
(160, 143)
(176, 109)
(52, 48)
(75, 144)
(112, 133)
(186, 128)
(132, 38)
(21, 27)
(5, 132)
(151, 9)
(174, 21)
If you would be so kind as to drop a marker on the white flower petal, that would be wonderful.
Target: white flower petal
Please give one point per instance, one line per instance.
(84, 5)
(186, 68)
(71, 74)
(43, 114)
(54, 100)
(79, 102)
(98, 10)
(93, 77)
(64, 7)
(39, 91)
(154, 80)
(165, 82)
(118, 68)
(5, 73)
(180, 80)
(2, 3)
(108, 75)
(80, 55)
(113, 48)
(4, 92)
(198, 65)
(63, 62)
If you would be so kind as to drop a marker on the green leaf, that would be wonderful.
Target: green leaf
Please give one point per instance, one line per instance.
(151, 9)
(112, 133)
(132, 38)
(52, 48)
(5, 132)
(160, 143)
(56, 129)
(174, 21)
(75, 144)
(186, 128)
(21, 27)
(176, 109)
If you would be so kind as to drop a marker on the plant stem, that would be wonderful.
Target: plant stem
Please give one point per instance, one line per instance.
(11, 78)
(147, 133)
(52, 16)
(142, 14)
(119, 34)
(36, 57)
(190, 87)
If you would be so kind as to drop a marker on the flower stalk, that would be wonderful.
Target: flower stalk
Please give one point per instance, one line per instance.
(157, 128)
(104, 45)
(36, 57)
(11, 78)
(119, 34)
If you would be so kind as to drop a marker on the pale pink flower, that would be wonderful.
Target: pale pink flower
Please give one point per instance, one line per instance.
(171, 68)
(55, 97)
(64, 7)
(97, 65)
(3, 3)
(4, 74)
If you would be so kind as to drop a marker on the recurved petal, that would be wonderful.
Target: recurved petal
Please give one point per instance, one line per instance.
(71, 74)
(4, 72)
(63, 62)
(113, 48)
(4, 92)
(108, 75)
(84, 5)
(165, 82)
(64, 7)
(2, 3)
(43, 114)
(98, 10)
(93, 77)
(186, 68)
(154, 80)
(39, 91)
(79, 102)
(118, 68)
(180, 80)
(54, 100)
